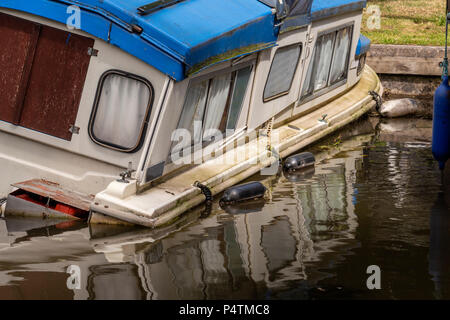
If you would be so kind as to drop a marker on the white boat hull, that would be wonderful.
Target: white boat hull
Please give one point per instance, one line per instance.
(166, 201)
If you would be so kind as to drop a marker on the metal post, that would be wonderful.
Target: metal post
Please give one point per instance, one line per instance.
(445, 62)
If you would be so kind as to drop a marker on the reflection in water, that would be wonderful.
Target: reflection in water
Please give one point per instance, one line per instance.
(369, 200)
(439, 256)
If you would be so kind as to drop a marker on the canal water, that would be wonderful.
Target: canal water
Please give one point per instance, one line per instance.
(375, 198)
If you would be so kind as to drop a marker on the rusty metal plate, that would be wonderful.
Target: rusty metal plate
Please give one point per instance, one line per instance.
(18, 39)
(56, 192)
(17, 207)
(56, 82)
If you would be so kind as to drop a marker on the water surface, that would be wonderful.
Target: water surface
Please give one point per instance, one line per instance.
(374, 198)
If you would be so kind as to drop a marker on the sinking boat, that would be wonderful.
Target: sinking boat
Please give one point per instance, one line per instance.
(120, 110)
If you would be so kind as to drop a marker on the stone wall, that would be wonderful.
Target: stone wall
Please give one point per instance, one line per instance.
(408, 71)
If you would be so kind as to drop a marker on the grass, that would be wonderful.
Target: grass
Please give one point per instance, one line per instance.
(419, 22)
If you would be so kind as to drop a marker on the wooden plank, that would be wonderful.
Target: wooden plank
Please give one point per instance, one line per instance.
(406, 59)
(56, 82)
(406, 65)
(18, 39)
(55, 192)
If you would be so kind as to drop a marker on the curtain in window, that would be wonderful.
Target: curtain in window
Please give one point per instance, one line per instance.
(339, 67)
(324, 52)
(282, 71)
(121, 111)
(207, 103)
(217, 101)
(193, 110)
(308, 87)
(240, 89)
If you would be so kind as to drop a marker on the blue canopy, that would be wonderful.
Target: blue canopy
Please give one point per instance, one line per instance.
(300, 13)
(363, 46)
(325, 8)
(184, 37)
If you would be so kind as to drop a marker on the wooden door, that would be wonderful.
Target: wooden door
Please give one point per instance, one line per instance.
(18, 39)
(41, 89)
(56, 82)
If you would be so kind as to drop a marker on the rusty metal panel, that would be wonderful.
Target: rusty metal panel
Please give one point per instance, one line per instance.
(55, 192)
(18, 39)
(21, 208)
(56, 82)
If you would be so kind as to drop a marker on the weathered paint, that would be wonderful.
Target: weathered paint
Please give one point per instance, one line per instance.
(17, 207)
(228, 56)
(18, 40)
(56, 82)
(55, 192)
(45, 71)
(322, 9)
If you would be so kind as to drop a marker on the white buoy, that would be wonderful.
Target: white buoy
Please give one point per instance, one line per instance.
(399, 108)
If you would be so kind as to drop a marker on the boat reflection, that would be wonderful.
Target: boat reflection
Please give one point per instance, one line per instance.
(301, 175)
(245, 207)
(255, 249)
(41, 250)
(259, 249)
(439, 253)
(304, 240)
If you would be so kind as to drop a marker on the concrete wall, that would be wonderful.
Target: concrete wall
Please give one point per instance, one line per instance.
(402, 60)
(408, 71)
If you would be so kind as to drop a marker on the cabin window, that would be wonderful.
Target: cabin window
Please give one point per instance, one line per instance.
(341, 53)
(329, 62)
(282, 72)
(213, 105)
(121, 111)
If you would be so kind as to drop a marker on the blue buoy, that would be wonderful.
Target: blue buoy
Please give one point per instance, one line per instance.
(441, 123)
(441, 111)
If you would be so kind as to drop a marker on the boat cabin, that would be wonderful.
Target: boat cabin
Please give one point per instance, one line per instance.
(89, 89)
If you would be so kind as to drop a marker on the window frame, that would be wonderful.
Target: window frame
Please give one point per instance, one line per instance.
(281, 94)
(361, 66)
(209, 77)
(330, 86)
(142, 133)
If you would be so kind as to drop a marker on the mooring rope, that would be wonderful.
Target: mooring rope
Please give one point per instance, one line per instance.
(208, 197)
(444, 64)
(269, 135)
(378, 100)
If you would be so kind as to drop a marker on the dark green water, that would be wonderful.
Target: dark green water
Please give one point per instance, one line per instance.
(375, 198)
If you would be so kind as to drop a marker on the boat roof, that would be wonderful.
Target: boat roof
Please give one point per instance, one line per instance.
(325, 8)
(182, 37)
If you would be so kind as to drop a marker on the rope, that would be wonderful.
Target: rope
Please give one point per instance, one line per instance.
(444, 64)
(208, 197)
(271, 151)
(378, 100)
(269, 136)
